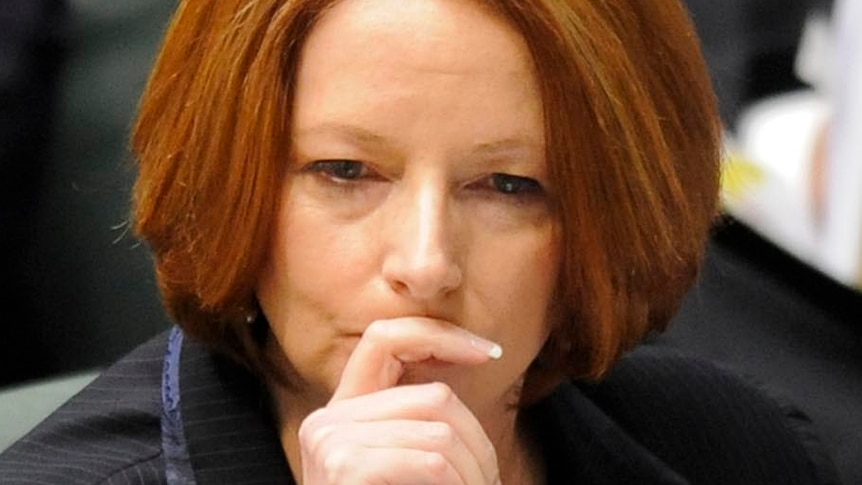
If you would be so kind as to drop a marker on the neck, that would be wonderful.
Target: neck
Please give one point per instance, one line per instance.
(517, 456)
(289, 412)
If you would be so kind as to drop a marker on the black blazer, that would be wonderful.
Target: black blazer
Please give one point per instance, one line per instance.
(195, 417)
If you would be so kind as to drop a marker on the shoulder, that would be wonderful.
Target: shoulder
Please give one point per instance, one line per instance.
(709, 424)
(107, 433)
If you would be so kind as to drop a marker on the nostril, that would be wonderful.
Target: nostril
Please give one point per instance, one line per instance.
(423, 279)
(399, 286)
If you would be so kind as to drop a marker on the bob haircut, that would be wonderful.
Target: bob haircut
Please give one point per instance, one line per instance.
(633, 143)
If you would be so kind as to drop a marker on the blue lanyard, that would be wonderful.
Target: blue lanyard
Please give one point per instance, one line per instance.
(177, 462)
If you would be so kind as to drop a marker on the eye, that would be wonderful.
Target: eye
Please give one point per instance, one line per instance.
(514, 184)
(340, 170)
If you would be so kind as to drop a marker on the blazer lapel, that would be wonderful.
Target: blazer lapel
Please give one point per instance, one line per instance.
(229, 431)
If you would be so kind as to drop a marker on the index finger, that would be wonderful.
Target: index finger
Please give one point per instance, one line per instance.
(377, 362)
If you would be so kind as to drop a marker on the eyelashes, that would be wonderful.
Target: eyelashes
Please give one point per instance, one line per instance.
(514, 184)
(351, 172)
(340, 171)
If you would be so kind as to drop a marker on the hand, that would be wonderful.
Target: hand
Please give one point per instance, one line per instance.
(372, 432)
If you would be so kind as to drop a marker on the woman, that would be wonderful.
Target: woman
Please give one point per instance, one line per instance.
(428, 229)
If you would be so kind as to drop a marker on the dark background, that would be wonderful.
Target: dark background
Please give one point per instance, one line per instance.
(77, 291)
(750, 46)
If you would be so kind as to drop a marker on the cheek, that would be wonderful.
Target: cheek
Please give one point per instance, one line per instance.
(313, 254)
(313, 273)
(518, 278)
(299, 296)
(526, 268)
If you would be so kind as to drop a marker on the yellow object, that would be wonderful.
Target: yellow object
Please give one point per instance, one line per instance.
(739, 176)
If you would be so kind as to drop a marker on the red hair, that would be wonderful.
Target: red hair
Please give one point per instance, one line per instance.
(633, 143)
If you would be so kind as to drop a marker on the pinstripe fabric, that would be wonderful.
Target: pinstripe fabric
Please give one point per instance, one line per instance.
(705, 423)
(230, 434)
(659, 418)
(753, 435)
(111, 431)
(108, 433)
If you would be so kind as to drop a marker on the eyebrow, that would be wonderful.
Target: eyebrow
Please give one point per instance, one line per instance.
(364, 136)
(514, 144)
(351, 132)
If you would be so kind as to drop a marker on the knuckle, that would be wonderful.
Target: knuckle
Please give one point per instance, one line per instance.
(314, 430)
(318, 438)
(309, 424)
(441, 435)
(440, 395)
(337, 463)
(436, 464)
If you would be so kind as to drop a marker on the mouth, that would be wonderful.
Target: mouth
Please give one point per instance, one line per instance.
(354, 330)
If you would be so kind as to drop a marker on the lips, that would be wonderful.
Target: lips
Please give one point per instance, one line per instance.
(352, 331)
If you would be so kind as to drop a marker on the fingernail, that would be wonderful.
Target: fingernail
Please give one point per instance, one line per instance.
(491, 349)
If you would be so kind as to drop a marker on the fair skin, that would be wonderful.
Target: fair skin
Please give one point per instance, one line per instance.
(414, 241)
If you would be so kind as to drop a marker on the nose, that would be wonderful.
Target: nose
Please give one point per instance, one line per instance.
(420, 260)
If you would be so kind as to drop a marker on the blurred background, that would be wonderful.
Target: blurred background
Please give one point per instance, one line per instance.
(779, 299)
(78, 290)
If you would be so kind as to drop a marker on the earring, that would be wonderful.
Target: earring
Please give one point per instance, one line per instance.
(250, 317)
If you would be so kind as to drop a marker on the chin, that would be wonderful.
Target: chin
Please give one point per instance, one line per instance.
(473, 388)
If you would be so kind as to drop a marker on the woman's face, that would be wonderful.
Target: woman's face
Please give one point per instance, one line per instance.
(416, 188)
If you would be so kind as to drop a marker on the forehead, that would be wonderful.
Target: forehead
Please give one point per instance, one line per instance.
(458, 33)
(424, 58)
